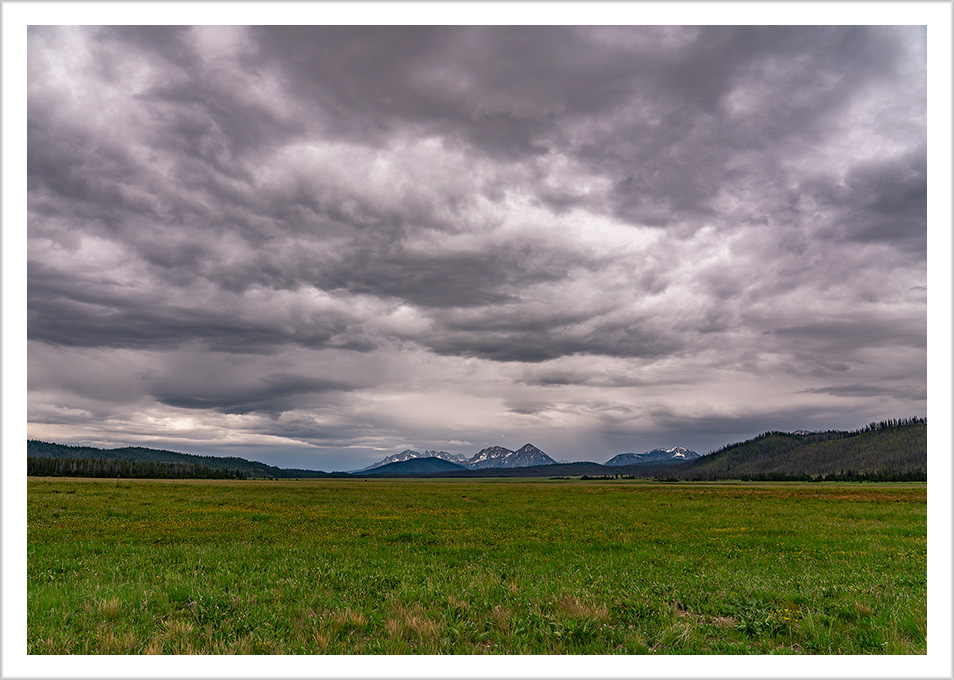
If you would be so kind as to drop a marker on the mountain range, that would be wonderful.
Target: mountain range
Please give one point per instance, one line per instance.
(891, 449)
(413, 467)
(411, 454)
(490, 457)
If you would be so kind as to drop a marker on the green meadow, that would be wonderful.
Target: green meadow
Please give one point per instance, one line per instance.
(474, 567)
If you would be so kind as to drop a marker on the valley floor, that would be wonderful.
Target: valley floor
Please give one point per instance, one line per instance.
(467, 567)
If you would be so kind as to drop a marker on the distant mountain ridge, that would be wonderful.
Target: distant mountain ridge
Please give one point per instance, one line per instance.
(883, 451)
(411, 454)
(490, 457)
(414, 466)
(676, 453)
(499, 457)
(892, 449)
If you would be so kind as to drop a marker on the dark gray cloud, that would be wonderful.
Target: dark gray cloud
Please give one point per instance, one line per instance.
(96, 311)
(882, 200)
(871, 391)
(853, 332)
(431, 233)
(271, 393)
(514, 336)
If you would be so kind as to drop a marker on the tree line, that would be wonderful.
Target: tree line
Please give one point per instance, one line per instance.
(125, 468)
(891, 423)
(919, 475)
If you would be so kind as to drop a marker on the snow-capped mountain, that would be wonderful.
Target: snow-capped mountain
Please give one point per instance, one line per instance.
(676, 453)
(499, 457)
(444, 455)
(410, 454)
(491, 457)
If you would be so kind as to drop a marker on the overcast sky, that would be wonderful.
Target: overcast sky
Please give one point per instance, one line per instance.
(319, 246)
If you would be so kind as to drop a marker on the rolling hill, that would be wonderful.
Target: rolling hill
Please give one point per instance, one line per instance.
(412, 467)
(247, 468)
(890, 448)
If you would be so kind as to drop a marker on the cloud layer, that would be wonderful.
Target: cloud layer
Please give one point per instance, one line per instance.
(319, 245)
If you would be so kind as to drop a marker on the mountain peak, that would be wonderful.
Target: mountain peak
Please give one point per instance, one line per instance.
(674, 453)
(411, 454)
(490, 457)
(499, 457)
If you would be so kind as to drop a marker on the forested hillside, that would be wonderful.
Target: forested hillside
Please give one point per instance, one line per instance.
(884, 450)
(124, 468)
(233, 465)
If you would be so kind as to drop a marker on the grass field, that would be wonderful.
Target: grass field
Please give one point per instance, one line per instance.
(471, 567)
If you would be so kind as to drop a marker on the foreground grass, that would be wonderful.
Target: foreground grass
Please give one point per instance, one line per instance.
(399, 567)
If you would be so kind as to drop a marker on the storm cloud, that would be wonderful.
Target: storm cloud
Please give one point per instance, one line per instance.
(326, 244)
